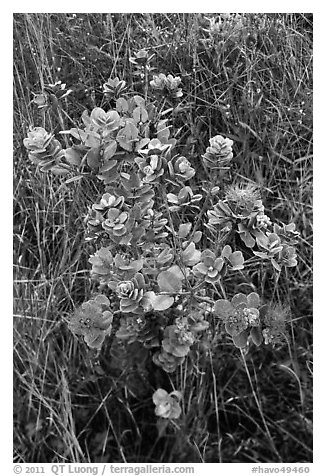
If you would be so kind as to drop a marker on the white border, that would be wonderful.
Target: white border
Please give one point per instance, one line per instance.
(319, 466)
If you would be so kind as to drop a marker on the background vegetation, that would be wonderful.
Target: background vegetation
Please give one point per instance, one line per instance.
(248, 78)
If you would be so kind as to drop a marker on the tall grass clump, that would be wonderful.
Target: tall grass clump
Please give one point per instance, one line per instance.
(162, 237)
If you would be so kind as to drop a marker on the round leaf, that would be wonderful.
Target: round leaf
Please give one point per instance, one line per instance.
(256, 335)
(240, 340)
(72, 156)
(159, 302)
(110, 150)
(184, 230)
(160, 396)
(93, 158)
(122, 105)
(169, 282)
(223, 308)
(253, 300)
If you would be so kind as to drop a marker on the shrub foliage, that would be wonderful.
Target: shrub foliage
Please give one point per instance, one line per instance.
(156, 279)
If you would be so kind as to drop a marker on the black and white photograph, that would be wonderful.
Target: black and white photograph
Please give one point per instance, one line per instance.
(162, 241)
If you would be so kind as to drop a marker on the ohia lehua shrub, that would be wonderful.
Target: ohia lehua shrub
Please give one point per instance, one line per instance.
(166, 238)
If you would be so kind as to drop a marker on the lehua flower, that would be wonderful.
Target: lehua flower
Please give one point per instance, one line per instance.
(243, 200)
(239, 316)
(219, 153)
(167, 404)
(274, 318)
